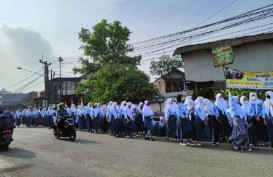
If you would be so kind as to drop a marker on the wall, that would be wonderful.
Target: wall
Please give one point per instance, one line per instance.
(256, 56)
(160, 85)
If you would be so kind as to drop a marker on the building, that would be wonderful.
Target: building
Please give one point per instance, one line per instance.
(252, 53)
(171, 82)
(169, 85)
(63, 90)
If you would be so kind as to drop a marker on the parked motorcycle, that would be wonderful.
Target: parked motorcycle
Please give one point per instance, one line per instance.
(66, 130)
(5, 139)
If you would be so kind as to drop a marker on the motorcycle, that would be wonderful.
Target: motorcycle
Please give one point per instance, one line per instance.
(67, 129)
(5, 139)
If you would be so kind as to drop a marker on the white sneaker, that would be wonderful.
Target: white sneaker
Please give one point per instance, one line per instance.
(190, 143)
(183, 143)
(198, 144)
(247, 150)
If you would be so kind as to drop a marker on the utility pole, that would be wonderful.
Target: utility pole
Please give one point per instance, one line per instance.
(45, 64)
(60, 61)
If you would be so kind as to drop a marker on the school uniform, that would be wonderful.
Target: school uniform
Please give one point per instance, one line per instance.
(252, 137)
(88, 110)
(134, 113)
(108, 116)
(255, 109)
(122, 116)
(238, 136)
(213, 122)
(189, 103)
(35, 120)
(147, 114)
(103, 118)
(24, 117)
(43, 112)
(160, 127)
(184, 130)
(49, 117)
(221, 105)
(267, 113)
(17, 116)
(81, 118)
(74, 114)
(96, 119)
(28, 117)
(128, 120)
(114, 117)
(171, 118)
(139, 119)
(202, 130)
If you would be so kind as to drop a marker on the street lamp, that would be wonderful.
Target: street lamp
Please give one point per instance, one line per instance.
(29, 71)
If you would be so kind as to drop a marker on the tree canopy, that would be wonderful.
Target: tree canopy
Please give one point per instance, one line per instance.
(165, 64)
(112, 74)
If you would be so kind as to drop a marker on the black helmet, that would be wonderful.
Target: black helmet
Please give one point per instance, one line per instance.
(61, 105)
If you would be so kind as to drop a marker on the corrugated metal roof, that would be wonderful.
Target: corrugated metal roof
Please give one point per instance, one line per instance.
(230, 42)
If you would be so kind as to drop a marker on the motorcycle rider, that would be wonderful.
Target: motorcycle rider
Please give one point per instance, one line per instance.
(6, 120)
(62, 114)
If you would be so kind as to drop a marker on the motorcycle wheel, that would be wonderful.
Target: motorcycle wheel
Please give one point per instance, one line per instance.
(5, 147)
(72, 134)
(56, 134)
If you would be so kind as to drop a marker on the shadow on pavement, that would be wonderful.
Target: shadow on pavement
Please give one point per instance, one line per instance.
(18, 153)
(228, 147)
(205, 145)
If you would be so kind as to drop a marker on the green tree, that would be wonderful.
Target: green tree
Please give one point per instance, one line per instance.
(107, 43)
(165, 64)
(113, 74)
(117, 82)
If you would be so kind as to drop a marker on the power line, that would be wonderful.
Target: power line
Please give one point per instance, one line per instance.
(243, 15)
(248, 17)
(217, 13)
(176, 42)
(23, 80)
(253, 32)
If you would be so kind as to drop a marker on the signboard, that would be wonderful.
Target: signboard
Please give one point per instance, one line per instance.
(248, 80)
(222, 55)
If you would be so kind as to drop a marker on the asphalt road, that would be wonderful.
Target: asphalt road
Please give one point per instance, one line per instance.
(35, 152)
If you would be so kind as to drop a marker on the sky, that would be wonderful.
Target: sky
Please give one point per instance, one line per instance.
(30, 28)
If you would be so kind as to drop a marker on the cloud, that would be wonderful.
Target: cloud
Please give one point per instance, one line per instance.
(21, 46)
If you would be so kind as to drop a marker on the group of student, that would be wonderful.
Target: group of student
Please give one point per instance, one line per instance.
(35, 117)
(243, 121)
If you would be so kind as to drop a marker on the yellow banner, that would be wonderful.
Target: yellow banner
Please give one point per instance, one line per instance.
(248, 80)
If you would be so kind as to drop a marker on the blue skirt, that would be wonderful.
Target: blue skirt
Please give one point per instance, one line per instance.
(172, 126)
(184, 129)
(269, 121)
(114, 126)
(239, 133)
(88, 122)
(96, 122)
(202, 131)
(18, 121)
(81, 122)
